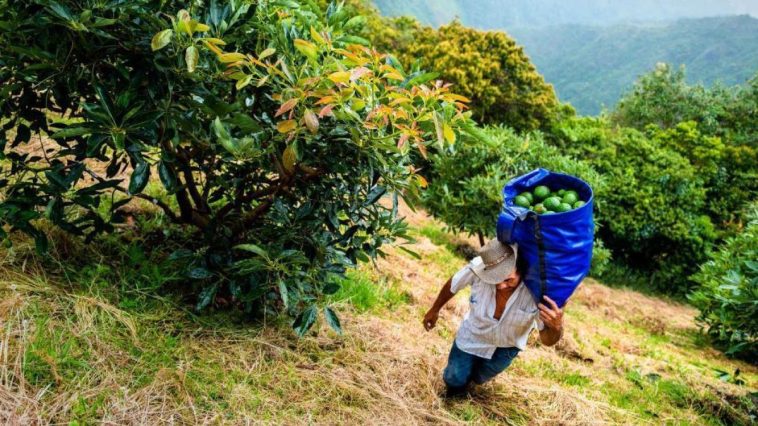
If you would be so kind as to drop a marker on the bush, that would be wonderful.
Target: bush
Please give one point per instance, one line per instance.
(729, 290)
(465, 188)
(714, 128)
(488, 67)
(663, 98)
(651, 211)
(272, 131)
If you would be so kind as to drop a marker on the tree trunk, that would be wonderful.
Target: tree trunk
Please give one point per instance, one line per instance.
(481, 239)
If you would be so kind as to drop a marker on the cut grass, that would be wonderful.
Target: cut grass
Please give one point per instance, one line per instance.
(84, 338)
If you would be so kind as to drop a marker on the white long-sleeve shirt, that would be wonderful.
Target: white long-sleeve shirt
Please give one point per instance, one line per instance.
(480, 333)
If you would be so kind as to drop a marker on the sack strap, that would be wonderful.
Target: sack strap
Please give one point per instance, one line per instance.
(541, 253)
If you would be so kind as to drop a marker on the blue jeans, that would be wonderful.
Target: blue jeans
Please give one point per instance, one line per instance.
(464, 368)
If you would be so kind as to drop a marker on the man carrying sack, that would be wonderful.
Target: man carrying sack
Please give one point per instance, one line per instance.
(502, 313)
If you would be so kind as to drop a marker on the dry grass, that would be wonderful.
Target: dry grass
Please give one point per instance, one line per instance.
(73, 352)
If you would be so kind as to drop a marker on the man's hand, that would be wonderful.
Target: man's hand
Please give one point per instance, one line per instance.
(430, 319)
(552, 316)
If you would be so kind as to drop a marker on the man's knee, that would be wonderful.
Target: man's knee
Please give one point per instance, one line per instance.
(455, 377)
(500, 361)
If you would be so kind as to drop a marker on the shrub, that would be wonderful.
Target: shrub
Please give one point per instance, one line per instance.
(714, 128)
(729, 290)
(272, 131)
(652, 209)
(488, 67)
(465, 188)
(663, 98)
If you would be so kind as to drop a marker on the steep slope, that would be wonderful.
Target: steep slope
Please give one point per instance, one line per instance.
(92, 346)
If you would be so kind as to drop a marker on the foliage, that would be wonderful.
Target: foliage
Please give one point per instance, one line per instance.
(651, 211)
(535, 14)
(662, 97)
(488, 67)
(605, 61)
(713, 128)
(729, 290)
(727, 172)
(273, 131)
(592, 54)
(465, 188)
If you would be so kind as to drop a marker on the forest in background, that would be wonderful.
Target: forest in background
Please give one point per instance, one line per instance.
(503, 14)
(591, 59)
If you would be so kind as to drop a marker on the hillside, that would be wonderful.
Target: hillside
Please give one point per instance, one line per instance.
(498, 14)
(592, 66)
(592, 60)
(85, 339)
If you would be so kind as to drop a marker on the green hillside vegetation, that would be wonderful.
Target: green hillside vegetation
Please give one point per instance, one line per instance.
(592, 54)
(499, 14)
(487, 67)
(592, 66)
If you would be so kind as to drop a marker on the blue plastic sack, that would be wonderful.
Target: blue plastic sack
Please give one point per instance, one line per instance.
(557, 247)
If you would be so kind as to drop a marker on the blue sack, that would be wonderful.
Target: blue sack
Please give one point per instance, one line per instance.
(557, 247)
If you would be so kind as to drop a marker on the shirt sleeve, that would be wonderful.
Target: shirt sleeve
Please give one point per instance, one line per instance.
(463, 277)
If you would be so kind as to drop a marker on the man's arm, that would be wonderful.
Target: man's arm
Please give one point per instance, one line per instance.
(552, 317)
(430, 319)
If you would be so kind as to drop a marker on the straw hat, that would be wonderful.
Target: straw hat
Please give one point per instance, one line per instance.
(498, 261)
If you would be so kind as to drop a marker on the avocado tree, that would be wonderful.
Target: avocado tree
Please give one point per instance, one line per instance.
(487, 67)
(728, 292)
(265, 135)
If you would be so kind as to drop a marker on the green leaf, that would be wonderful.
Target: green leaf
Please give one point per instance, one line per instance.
(220, 130)
(331, 288)
(241, 83)
(191, 56)
(140, 177)
(70, 132)
(266, 53)
(167, 176)
(375, 195)
(332, 319)
(284, 293)
(306, 48)
(161, 40)
(356, 21)
(410, 252)
(305, 320)
(199, 273)
(253, 249)
(423, 78)
(289, 158)
(206, 297)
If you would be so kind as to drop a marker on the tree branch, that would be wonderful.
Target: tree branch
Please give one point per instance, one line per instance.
(165, 207)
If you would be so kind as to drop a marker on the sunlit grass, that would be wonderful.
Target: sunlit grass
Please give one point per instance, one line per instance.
(102, 333)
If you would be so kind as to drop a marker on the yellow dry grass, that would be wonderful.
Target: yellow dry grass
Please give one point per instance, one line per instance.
(164, 365)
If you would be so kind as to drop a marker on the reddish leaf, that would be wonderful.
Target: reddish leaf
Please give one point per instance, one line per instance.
(327, 110)
(287, 106)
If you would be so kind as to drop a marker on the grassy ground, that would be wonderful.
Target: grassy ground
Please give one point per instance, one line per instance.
(95, 344)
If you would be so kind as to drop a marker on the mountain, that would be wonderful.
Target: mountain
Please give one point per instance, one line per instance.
(500, 14)
(594, 50)
(592, 66)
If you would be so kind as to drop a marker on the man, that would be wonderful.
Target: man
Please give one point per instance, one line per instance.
(502, 313)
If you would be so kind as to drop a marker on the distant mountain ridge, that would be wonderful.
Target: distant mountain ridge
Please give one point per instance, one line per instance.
(590, 64)
(504, 14)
